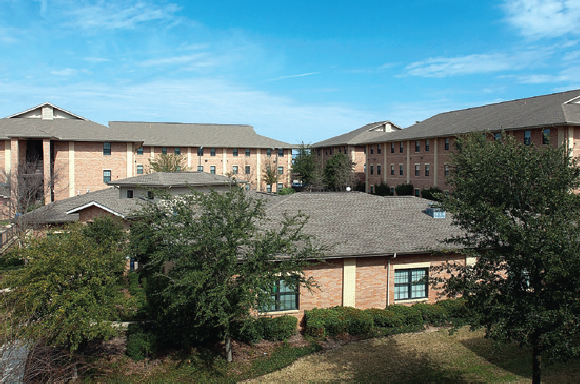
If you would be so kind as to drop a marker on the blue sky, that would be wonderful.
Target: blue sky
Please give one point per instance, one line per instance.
(295, 70)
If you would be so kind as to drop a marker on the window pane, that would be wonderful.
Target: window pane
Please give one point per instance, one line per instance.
(401, 292)
(106, 148)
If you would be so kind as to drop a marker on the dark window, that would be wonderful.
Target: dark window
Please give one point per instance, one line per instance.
(150, 195)
(164, 150)
(280, 186)
(139, 169)
(177, 151)
(426, 170)
(280, 170)
(281, 152)
(247, 169)
(427, 145)
(392, 191)
(392, 147)
(401, 147)
(200, 151)
(417, 192)
(497, 136)
(417, 145)
(235, 152)
(106, 175)
(392, 169)
(268, 188)
(446, 170)
(247, 152)
(417, 170)
(372, 169)
(235, 169)
(401, 170)
(140, 151)
(372, 149)
(410, 284)
(200, 168)
(129, 194)
(378, 149)
(528, 137)
(178, 168)
(212, 151)
(446, 143)
(546, 136)
(106, 148)
(268, 152)
(378, 169)
(212, 169)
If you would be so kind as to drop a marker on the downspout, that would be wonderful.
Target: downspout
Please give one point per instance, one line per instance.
(389, 274)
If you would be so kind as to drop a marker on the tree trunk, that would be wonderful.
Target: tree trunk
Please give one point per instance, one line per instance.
(229, 357)
(536, 364)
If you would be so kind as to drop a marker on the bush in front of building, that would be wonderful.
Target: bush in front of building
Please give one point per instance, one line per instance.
(286, 191)
(404, 190)
(431, 314)
(384, 318)
(382, 189)
(429, 193)
(455, 310)
(410, 315)
(265, 328)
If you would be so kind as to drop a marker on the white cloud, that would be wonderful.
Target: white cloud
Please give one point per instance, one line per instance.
(64, 72)
(96, 59)
(118, 14)
(478, 63)
(292, 76)
(194, 61)
(544, 18)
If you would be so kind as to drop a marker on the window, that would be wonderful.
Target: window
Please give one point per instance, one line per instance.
(235, 152)
(417, 192)
(546, 136)
(106, 175)
(392, 169)
(140, 151)
(150, 195)
(280, 186)
(280, 170)
(212, 152)
(200, 168)
(427, 145)
(497, 136)
(417, 170)
(392, 147)
(247, 169)
(392, 191)
(164, 150)
(268, 152)
(107, 149)
(200, 151)
(139, 169)
(401, 147)
(178, 168)
(378, 149)
(177, 151)
(268, 188)
(372, 149)
(212, 169)
(378, 169)
(372, 190)
(372, 170)
(365, 150)
(527, 137)
(426, 169)
(401, 170)
(446, 170)
(417, 145)
(281, 152)
(409, 284)
(247, 152)
(235, 170)
(446, 143)
(129, 194)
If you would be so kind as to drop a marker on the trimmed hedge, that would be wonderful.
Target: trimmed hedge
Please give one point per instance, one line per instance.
(286, 191)
(404, 190)
(384, 318)
(431, 314)
(265, 328)
(410, 315)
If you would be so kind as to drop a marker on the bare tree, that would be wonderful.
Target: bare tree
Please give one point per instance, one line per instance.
(168, 162)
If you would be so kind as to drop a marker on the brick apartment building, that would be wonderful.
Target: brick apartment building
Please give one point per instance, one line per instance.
(419, 155)
(69, 155)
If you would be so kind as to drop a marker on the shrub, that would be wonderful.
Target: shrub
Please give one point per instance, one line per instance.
(429, 192)
(359, 321)
(409, 315)
(286, 191)
(337, 320)
(140, 343)
(385, 319)
(277, 328)
(247, 331)
(404, 190)
(432, 314)
(382, 189)
(11, 261)
(455, 310)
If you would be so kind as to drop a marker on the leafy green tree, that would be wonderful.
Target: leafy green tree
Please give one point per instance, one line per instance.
(520, 217)
(338, 172)
(304, 164)
(168, 162)
(105, 230)
(269, 173)
(224, 260)
(68, 291)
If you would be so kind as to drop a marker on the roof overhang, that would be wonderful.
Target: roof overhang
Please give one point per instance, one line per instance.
(94, 204)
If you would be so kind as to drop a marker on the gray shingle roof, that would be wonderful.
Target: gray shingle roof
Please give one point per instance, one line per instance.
(362, 224)
(61, 129)
(556, 109)
(358, 135)
(196, 135)
(56, 212)
(174, 179)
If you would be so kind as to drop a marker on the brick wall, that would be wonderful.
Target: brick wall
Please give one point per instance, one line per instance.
(90, 162)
